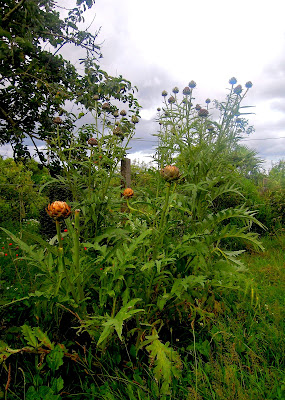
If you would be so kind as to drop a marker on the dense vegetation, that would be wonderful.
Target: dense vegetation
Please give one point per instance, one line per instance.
(170, 289)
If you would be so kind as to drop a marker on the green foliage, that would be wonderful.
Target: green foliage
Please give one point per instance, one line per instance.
(36, 83)
(19, 198)
(147, 297)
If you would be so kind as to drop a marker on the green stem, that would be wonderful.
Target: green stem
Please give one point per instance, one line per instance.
(61, 265)
(76, 255)
(159, 239)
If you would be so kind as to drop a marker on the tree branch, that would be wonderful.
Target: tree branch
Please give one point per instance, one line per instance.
(7, 16)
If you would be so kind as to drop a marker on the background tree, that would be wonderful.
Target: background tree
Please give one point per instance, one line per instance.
(36, 81)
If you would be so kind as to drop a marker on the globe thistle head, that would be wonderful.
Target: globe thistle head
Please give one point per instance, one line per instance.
(128, 192)
(58, 210)
(238, 89)
(203, 112)
(198, 107)
(123, 113)
(248, 84)
(192, 84)
(186, 91)
(92, 142)
(171, 100)
(170, 173)
(207, 101)
(175, 90)
(164, 93)
(232, 81)
(57, 120)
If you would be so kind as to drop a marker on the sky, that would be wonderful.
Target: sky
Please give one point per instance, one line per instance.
(160, 44)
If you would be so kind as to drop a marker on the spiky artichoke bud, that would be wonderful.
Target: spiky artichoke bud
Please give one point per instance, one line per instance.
(203, 112)
(106, 106)
(186, 91)
(135, 119)
(118, 132)
(57, 120)
(58, 210)
(238, 89)
(170, 173)
(233, 81)
(92, 142)
(192, 84)
(128, 192)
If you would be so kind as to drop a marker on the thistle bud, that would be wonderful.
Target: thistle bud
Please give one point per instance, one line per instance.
(207, 101)
(128, 192)
(198, 107)
(58, 210)
(96, 97)
(203, 112)
(123, 113)
(171, 100)
(170, 173)
(57, 120)
(116, 113)
(92, 141)
(175, 90)
(192, 84)
(186, 91)
(158, 109)
(164, 93)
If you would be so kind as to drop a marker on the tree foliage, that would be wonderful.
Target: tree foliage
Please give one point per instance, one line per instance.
(36, 81)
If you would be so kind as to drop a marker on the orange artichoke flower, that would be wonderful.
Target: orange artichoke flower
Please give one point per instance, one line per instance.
(58, 210)
(128, 192)
(170, 173)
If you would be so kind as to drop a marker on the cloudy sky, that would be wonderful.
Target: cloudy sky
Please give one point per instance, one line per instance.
(159, 44)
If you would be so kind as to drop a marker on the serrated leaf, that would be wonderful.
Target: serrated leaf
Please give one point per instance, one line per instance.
(29, 335)
(55, 358)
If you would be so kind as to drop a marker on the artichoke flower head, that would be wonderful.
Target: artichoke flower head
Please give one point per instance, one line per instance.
(58, 210)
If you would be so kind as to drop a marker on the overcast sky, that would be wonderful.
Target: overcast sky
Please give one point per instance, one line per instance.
(159, 44)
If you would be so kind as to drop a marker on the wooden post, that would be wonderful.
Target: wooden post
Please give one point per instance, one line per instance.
(126, 178)
(126, 173)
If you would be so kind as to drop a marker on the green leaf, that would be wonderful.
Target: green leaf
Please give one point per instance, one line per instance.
(55, 358)
(30, 336)
(116, 323)
(166, 360)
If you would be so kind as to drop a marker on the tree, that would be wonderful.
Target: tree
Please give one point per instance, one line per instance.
(36, 81)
